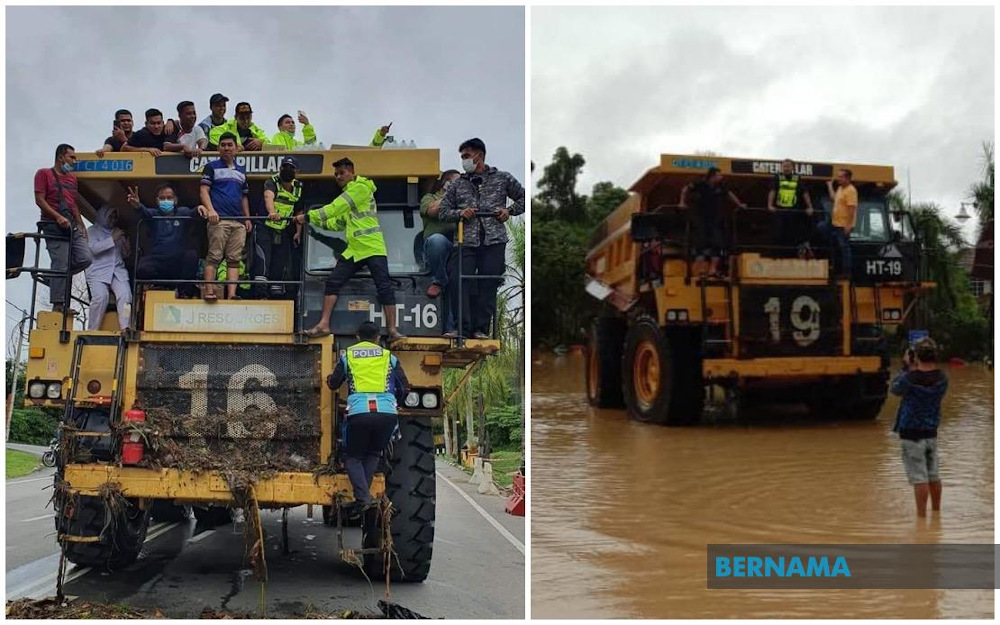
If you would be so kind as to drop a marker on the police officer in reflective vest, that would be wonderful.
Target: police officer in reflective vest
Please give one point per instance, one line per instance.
(375, 381)
(791, 228)
(354, 211)
(283, 200)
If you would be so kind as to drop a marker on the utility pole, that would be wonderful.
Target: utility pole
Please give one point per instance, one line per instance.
(17, 364)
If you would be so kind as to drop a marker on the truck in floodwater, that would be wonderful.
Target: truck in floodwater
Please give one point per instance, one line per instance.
(777, 325)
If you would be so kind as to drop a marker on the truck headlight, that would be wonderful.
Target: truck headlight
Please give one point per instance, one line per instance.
(54, 390)
(412, 399)
(429, 400)
(36, 390)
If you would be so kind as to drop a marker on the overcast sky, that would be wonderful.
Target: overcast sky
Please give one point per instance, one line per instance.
(441, 75)
(908, 87)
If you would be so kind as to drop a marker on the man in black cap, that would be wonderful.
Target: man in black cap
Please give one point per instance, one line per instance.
(218, 117)
(283, 200)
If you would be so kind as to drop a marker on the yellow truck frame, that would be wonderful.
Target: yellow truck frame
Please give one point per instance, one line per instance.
(76, 370)
(668, 333)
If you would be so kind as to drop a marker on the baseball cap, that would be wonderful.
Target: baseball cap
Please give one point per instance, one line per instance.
(217, 97)
(290, 160)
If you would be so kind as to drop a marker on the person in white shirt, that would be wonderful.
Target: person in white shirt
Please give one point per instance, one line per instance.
(191, 138)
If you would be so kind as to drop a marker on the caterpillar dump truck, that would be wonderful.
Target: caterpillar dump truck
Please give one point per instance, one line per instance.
(214, 405)
(774, 327)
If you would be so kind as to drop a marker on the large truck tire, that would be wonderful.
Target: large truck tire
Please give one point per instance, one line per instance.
(661, 374)
(604, 363)
(411, 487)
(120, 542)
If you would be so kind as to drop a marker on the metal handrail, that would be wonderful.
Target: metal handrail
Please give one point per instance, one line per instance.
(459, 243)
(264, 218)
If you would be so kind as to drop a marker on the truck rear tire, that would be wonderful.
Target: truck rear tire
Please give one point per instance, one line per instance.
(604, 363)
(661, 374)
(120, 543)
(411, 487)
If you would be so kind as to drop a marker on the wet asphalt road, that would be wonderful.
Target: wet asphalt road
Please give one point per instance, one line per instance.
(477, 571)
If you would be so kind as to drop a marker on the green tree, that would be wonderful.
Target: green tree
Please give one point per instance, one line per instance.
(982, 191)
(557, 187)
(605, 198)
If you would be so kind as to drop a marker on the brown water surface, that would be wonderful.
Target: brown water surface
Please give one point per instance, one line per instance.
(622, 512)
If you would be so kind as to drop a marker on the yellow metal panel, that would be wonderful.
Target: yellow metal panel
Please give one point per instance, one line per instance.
(790, 367)
(284, 489)
(164, 312)
(692, 164)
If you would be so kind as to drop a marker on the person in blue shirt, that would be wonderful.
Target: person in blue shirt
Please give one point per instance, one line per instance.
(224, 192)
(171, 256)
(921, 385)
(375, 382)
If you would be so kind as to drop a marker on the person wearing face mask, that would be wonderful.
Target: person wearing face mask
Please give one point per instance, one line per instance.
(107, 273)
(479, 199)
(286, 132)
(283, 200)
(55, 196)
(170, 256)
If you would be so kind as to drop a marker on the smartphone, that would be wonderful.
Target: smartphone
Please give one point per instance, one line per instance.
(117, 124)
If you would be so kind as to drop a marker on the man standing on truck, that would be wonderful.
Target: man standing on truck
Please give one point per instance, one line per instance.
(55, 195)
(922, 386)
(286, 132)
(791, 226)
(282, 199)
(375, 383)
(191, 138)
(712, 233)
(479, 199)
(354, 211)
(250, 136)
(845, 209)
(224, 193)
(121, 132)
(152, 138)
(217, 104)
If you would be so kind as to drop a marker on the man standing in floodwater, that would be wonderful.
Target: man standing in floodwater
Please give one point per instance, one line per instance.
(375, 381)
(922, 386)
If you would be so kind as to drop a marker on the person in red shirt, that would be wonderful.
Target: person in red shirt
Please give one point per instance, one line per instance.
(55, 195)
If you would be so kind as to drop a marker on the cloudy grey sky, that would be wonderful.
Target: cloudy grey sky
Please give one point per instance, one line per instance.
(909, 87)
(441, 75)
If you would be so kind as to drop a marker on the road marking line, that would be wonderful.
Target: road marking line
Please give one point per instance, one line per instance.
(486, 515)
(31, 588)
(201, 536)
(34, 479)
(38, 518)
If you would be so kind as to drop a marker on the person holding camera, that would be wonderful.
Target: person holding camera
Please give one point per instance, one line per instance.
(478, 198)
(921, 386)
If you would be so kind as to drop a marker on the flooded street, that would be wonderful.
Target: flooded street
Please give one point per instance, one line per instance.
(622, 512)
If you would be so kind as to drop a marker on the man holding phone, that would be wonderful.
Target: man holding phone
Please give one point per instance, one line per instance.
(478, 198)
(121, 132)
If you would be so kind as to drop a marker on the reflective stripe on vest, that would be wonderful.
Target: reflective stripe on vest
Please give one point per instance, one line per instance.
(368, 368)
(284, 202)
(787, 190)
(361, 233)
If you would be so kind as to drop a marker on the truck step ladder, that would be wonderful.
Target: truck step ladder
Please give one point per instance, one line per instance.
(79, 346)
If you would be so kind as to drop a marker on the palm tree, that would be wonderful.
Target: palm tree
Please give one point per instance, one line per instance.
(982, 191)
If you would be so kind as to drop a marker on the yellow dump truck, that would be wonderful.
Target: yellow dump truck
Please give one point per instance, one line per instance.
(776, 326)
(214, 405)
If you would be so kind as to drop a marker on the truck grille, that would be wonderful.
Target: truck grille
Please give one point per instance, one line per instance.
(790, 321)
(231, 406)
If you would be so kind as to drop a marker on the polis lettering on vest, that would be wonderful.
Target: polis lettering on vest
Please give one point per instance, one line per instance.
(366, 353)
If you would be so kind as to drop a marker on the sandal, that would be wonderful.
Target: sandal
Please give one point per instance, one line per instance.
(315, 333)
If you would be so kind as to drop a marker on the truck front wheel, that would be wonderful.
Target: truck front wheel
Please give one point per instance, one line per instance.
(121, 537)
(661, 374)
(411, 487)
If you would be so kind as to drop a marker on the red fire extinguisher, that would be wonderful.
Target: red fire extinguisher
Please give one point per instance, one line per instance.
(132, 446)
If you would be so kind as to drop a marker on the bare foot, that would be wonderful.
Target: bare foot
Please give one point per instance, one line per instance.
(317, 332)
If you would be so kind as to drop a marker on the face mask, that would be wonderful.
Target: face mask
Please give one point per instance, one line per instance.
(66, 167)
(287, 175)
(167, 206)
(469, 165)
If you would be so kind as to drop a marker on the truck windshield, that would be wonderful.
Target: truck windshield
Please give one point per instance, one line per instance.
(404, 243)
(870, 222)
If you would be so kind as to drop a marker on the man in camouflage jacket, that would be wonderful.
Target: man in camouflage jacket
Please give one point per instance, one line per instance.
(479, 199)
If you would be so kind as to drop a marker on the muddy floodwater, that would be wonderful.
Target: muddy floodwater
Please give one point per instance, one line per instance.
(621, 512)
